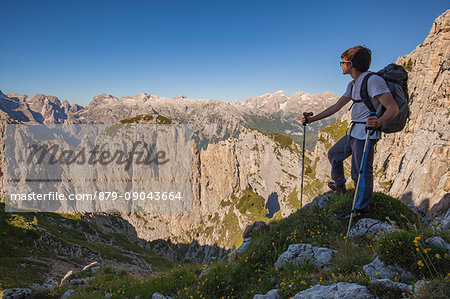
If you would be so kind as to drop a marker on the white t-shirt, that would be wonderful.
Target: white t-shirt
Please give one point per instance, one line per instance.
(375, 86)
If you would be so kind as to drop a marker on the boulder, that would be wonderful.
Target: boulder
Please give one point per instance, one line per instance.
(299, 253)
(272, 294)
(257, 226)
(160, 296)
(389, 284)
(244, 247)
(337, 290)
(371, 228)
(67, 293)
(320, 201)
(78, 282)
(438, 242)
(379, 270)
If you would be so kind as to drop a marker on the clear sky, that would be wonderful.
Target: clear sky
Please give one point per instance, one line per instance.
(225, 50)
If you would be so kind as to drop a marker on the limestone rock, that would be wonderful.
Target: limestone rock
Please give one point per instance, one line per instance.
(299, 253)
(371, 228)
(438, 242)
(272, 294)
(19, 293)
(160, 296)
(244, 247)
(442, 221)
(387, 283)
(379, 270)
(337, 290)
(320, 201)
(78, 282)
(257, 226)
(67, 293)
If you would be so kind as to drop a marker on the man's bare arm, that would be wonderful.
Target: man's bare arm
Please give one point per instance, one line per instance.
(329, 111)
(389, 103)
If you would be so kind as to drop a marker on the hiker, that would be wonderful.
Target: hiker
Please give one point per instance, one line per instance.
(355, 62)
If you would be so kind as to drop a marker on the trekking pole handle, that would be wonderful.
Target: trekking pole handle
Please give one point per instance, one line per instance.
(307, 114)
(371, 129)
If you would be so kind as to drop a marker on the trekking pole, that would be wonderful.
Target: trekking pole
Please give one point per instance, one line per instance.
(361, 173)
(305, 114)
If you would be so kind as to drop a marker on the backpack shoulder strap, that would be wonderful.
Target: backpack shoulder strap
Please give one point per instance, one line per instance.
(365, 94)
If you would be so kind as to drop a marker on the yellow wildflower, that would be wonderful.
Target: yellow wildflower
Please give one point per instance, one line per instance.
(437, 255)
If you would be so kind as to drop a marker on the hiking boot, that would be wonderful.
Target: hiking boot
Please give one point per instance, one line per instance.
(338, 188)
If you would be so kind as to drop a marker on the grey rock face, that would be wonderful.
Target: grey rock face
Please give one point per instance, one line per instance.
(438, 242)
(272, 294)
(387, 283)
(379, 270)
(67, 293)
(424, 215)
(371, 228)
(78, 282)
(19, 293)
(244, 247)
(299, 253)
(442, 221)
(257, 226)
(335, 291)
(320, 201)
(160, 296)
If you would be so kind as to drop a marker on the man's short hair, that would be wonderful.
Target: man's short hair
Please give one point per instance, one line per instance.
(359, 56)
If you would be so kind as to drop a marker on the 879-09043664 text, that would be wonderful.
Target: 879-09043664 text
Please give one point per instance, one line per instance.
(99, 195)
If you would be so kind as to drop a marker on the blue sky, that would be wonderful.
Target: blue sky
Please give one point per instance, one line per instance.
(225, 50)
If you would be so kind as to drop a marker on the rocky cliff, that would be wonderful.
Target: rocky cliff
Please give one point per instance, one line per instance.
(236, 182)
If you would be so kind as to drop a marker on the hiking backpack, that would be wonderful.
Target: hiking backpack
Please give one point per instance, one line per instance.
(396, 79)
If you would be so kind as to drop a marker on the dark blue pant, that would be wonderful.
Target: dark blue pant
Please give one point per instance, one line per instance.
(345, 147)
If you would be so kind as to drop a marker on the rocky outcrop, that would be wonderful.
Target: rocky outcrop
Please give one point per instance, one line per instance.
(337, 290)
(300, 253)
(18, 293)
(379, 270)
(389, 284)
(255, 168)
(371, 228)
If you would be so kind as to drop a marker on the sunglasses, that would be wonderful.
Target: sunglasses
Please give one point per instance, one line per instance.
(344, 62)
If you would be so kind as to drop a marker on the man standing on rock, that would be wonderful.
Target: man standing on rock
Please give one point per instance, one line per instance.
(355, 62)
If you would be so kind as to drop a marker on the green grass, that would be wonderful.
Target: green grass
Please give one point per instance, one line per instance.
(21, 263)
(382, 207)
(254, 272)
